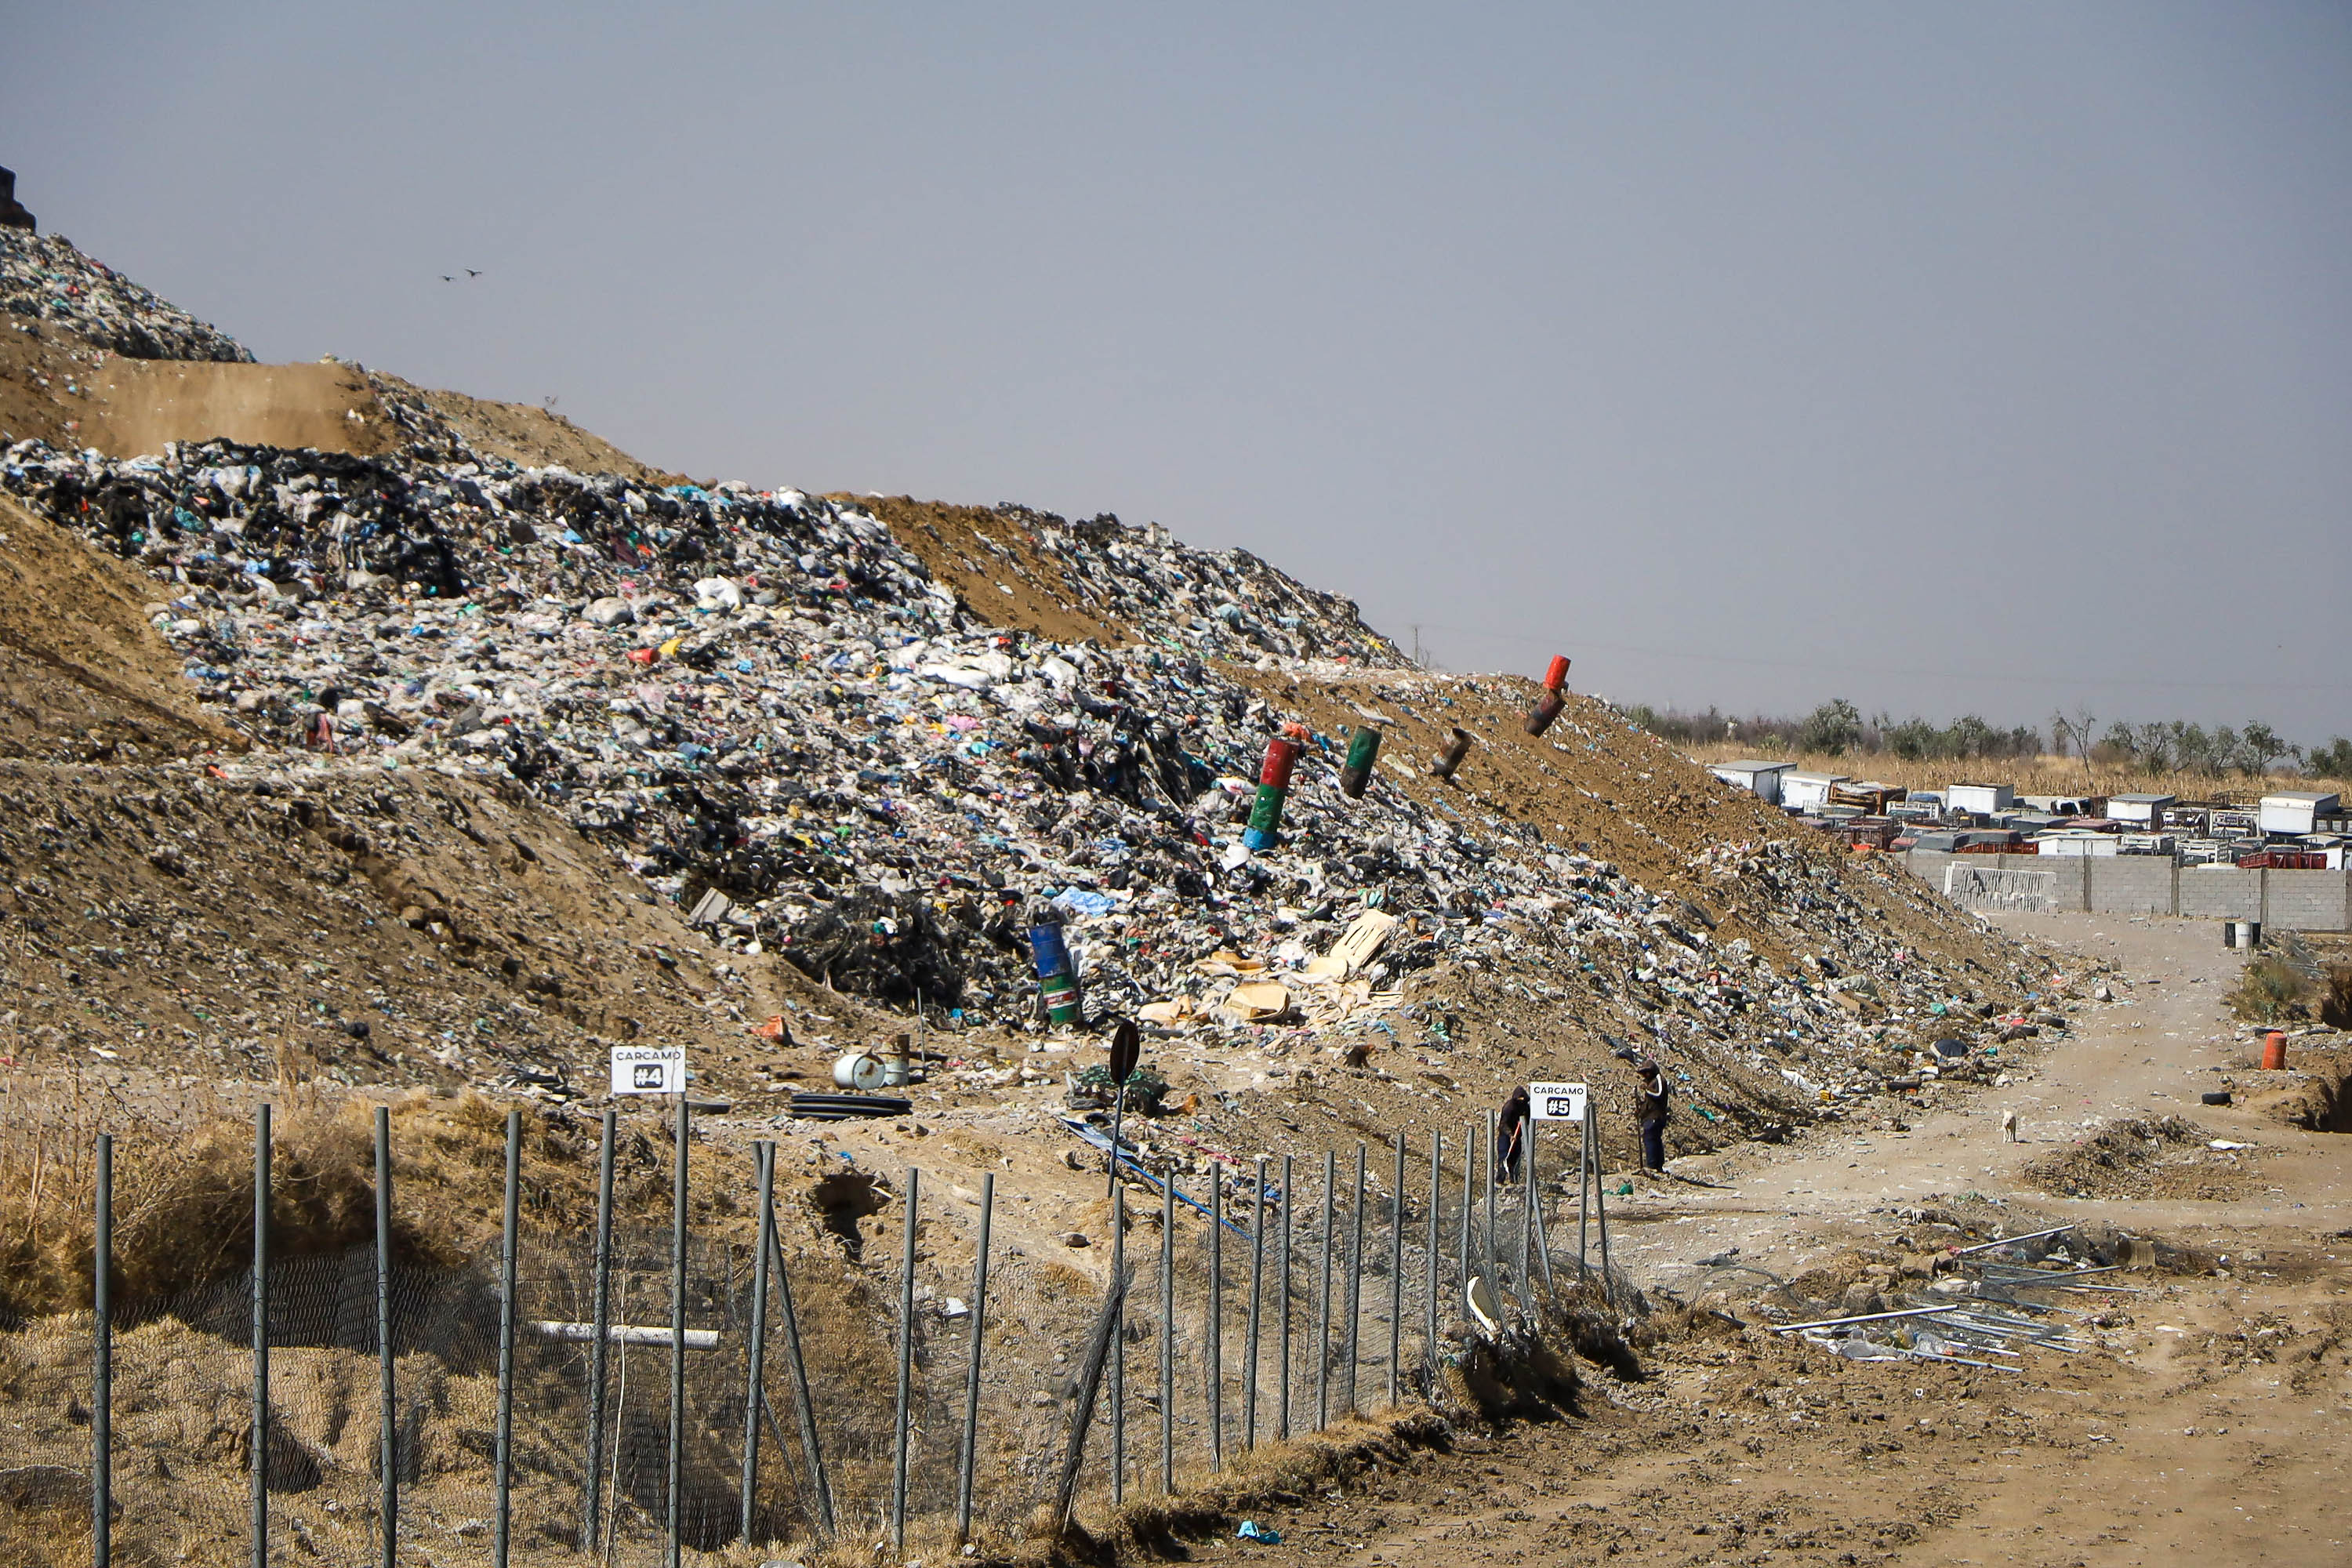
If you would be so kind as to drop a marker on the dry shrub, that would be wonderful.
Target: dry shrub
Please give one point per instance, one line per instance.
(2270, 991)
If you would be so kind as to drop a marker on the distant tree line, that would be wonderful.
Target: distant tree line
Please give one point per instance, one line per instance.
(1837, 728)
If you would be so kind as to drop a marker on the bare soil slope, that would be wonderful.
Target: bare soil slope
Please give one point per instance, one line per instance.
(148, 403)
(83, 676)
(519, 432)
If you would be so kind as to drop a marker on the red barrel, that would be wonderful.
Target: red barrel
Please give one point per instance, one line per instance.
(1281, 757)
(1556, 676)
(2274, 1051)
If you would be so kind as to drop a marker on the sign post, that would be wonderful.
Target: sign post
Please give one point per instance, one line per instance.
(1566, 1103)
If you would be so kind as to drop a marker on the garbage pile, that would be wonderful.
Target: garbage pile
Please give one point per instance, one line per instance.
(1224, 604)
(45, 279)
(779, 716)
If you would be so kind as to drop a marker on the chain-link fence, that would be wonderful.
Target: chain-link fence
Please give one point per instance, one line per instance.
(1260, 1303)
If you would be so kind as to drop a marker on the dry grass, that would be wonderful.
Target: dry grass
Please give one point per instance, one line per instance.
(183, 1185)
(2039, 775)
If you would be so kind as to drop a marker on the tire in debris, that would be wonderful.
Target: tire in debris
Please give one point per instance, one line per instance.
(2215, 1097)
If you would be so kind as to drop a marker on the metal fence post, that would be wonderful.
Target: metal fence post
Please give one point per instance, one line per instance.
(971, 1453)
(804, 1404)
(1256, 1304)
(1323, 1301)
(1469, 1197)
(1282, 1406)
(1216, 1342)
(502, 1444)
(1118, 1349)
(597, 1353)
(1396, 1269)
(1355, 1282)
(101, 1370)
(1168, 1338)
(1583, 1189)
(1486, 1238)
(1600, 1218)
(388, 1422)
(1430, 1268)
(905, 1368)
(764, 1158)
(678, 1338)
(1526, 1145)
(257, 1456)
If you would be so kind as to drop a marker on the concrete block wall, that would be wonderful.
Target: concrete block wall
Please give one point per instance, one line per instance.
(2221, 893)
(2150, 884)
(2132, 885)
(2307, 900)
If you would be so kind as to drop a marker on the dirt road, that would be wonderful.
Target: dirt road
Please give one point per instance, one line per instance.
(2216, 1422)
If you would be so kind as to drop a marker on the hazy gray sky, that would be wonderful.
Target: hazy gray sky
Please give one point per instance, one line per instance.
(1981, 356)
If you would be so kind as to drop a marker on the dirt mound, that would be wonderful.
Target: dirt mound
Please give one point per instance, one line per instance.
(2160, 1157)
(83, 675)
(150, 403)
(2318, 1095)
(517, 433)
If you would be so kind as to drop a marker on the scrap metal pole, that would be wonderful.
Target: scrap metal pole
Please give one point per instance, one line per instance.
(763, 1160)
(1323, 1301)
(1583, 1190)
(905, 1369)
(258, 1453)
(387, 1439)
(598, 1353)
(1355, 1281)
(1216, 1357)
(1429, 1305)
(970, 1453)
(1282, 1400)
(804, 1405)
(1257, 1306)
(1396, 1269)
(502, 1444)
(101, 1363)
(1168, 1338)
(677, 1338)
(1118, 1349)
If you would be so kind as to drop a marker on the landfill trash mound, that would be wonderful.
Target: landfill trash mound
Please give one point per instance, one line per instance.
(2155, 1157)
(43, 278)
(1099, 579)
(765, 693)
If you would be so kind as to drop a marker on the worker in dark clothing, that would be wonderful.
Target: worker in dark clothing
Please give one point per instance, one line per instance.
(1650, 1111)
(1510, 1134)
(1649, 1106)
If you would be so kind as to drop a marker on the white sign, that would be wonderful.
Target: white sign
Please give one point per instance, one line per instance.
(1556, 1101)
(649, 1069)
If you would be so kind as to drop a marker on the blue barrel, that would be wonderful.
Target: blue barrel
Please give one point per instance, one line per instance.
(1053, 954)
